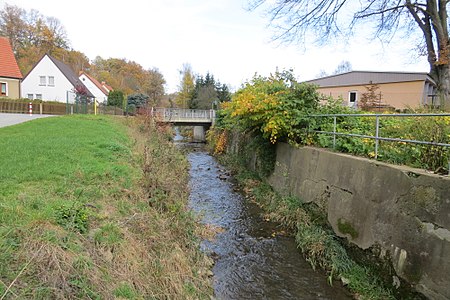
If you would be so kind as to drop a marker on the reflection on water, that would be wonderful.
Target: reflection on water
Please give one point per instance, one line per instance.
(252, 261)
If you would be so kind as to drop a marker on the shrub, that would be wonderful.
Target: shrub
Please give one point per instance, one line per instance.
(116, 98)
(277, 105)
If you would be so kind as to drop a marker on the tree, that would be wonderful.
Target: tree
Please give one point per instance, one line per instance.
(32, 35)
(136, 101)
(371, 98)
(322, 73)
(198, 92)
(186, 87)
(329, 18)
(277, 105)
(25, 29)
(129, 77)
(223, 92)
(12, 25)
(205, 93)
(82, 94)
(154, 86)
(116, 98)
(343, 67)
(205, 98)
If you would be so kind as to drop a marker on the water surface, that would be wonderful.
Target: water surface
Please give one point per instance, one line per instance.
(252, 261)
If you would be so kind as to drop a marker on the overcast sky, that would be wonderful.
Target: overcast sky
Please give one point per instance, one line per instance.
(221, 37)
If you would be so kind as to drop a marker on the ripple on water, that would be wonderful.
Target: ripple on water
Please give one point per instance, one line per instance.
(250, 263)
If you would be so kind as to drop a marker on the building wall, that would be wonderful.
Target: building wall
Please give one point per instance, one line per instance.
(98, 94)
(399, 95)
(59, 92)
(13, 87)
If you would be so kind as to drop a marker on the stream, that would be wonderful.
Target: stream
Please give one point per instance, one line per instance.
(252, 259)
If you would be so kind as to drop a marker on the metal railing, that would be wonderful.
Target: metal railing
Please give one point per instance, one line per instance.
(377, 137)
(184, 115)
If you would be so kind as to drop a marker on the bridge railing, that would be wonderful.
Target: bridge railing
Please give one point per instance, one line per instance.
(184, 115)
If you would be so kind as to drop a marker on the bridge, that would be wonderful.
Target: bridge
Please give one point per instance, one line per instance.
(185, 117)
(201, 120)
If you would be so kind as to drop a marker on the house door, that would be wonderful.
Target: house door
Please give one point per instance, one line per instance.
(352, 99)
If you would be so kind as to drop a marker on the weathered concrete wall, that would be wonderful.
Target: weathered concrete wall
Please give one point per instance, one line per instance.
(405, 211)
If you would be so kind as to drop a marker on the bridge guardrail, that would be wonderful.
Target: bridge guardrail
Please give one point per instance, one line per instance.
(181, 114)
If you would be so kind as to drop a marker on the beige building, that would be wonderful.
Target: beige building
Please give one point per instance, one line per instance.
(395, 89)
(10, 75)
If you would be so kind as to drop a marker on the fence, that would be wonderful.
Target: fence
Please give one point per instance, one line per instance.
(51, 108)
(377, 135)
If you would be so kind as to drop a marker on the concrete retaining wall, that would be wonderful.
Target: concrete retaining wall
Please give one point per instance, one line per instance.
(405, 211)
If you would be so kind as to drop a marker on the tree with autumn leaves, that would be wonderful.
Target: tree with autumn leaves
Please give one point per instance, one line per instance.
(32, 35)
(277, 106)
(200, 92)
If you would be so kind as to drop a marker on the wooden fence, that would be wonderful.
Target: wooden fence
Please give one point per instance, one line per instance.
(51, 108)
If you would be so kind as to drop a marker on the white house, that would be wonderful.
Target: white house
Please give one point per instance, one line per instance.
(99, 90)
(52, 80)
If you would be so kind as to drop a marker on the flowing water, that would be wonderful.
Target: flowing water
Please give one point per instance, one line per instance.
(252, 260)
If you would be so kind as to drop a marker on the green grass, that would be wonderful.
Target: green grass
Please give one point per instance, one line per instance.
(52, 171)
(76, 221)
(47, 161)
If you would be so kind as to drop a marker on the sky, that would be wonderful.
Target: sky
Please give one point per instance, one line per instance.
(217, 36)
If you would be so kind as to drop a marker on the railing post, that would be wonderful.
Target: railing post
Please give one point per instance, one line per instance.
(334, 132)
(377, 131)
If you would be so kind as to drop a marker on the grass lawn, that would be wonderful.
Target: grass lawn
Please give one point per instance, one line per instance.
(75, 216)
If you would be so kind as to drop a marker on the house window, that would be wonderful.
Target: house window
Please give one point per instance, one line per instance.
(51, 81)
(30, 96)
(352, 97)
(4, 89)
(42, 80)
(39, 96)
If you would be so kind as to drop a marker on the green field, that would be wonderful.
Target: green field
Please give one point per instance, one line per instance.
(78, 218)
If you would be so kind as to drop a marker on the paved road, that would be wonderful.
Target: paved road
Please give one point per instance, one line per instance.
(12, 119)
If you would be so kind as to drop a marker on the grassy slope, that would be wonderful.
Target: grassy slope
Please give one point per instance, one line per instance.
(81, 216)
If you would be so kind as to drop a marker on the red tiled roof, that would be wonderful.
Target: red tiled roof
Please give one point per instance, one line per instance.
(8, 63)
(108, 87)
(95, 81)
